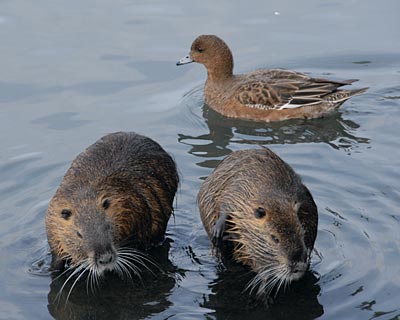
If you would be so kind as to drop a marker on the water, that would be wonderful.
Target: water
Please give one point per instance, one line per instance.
(74, 71)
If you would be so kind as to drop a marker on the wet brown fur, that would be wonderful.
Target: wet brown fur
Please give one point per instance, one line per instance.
(138, 179)
(250, 179)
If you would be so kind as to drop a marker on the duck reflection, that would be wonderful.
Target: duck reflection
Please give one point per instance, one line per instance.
(333, 130)
(117, 298)
(229, 301)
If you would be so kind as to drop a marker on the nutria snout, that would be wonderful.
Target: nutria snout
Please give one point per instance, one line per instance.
(113, 203)
(255, 205)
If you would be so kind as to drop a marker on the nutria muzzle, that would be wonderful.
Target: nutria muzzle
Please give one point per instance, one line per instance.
(102, 259)
(99, 244)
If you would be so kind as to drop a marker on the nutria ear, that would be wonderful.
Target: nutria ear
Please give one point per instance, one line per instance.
(296, 206)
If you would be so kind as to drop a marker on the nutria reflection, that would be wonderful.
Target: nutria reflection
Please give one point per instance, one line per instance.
(300, 301)
(117, 298)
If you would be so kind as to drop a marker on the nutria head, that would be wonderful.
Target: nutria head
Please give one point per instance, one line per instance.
(113, 203)
(269, 239)
(89, 227)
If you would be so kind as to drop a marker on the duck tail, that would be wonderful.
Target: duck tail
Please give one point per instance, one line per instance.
(349, 81)
(356, 92)
(338, 97)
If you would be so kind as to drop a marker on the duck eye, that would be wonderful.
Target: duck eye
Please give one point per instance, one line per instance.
(200, 49)
(66, 214)
(275, 239)
(259, 213)
(106, 203)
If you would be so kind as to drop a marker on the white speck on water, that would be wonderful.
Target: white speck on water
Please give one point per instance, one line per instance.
(277, 13)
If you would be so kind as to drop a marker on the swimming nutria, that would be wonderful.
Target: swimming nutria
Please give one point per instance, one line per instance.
(256, 204)
(113, 203)
(265, 94)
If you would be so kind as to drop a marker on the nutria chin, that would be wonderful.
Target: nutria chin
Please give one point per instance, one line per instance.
(113, 203)
(256, 205)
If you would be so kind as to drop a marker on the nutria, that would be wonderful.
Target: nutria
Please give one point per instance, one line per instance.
(255, 205)
(113, 204)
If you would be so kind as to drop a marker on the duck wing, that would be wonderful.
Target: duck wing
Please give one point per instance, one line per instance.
(284, 89)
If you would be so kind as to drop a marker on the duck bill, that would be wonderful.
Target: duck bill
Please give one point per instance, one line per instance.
(184, 60)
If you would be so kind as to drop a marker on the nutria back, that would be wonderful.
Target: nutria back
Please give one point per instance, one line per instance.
(113, 203)
(257, 205)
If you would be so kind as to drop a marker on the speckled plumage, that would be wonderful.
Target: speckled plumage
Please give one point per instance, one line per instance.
(265, 94)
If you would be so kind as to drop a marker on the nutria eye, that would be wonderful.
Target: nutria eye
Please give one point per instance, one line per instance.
(79, 234)
(106, 203)
(259, 213)
(275, 239)
(66, 214)
(200, 49)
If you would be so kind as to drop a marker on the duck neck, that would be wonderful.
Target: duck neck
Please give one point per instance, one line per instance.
(221, 69)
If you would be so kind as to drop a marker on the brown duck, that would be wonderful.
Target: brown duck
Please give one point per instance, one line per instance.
(265, 94)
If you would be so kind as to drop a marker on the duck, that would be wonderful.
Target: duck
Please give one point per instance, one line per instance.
(264, 94)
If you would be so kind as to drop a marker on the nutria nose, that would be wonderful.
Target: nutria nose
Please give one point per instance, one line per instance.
(105, 258)
(296, 270)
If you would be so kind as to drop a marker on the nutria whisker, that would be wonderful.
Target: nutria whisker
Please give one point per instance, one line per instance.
(137, 256)
(287, 281)
(75, 271)
(264, 286)
(262, 279)
(92, 279)
(122, 269)
(274, 281)
(128, 266)
(76, 280)
(132, 259)
(268, 287)
(282, 280)
(60, 274)
(129, 262)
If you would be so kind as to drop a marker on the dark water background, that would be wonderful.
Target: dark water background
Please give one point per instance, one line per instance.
(73, 71)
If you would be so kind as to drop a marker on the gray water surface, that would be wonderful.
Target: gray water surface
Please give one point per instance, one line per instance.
(73, 71)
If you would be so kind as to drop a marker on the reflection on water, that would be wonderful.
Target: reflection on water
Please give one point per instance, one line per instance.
(227, 298)
(116, 298)
(333, 130)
